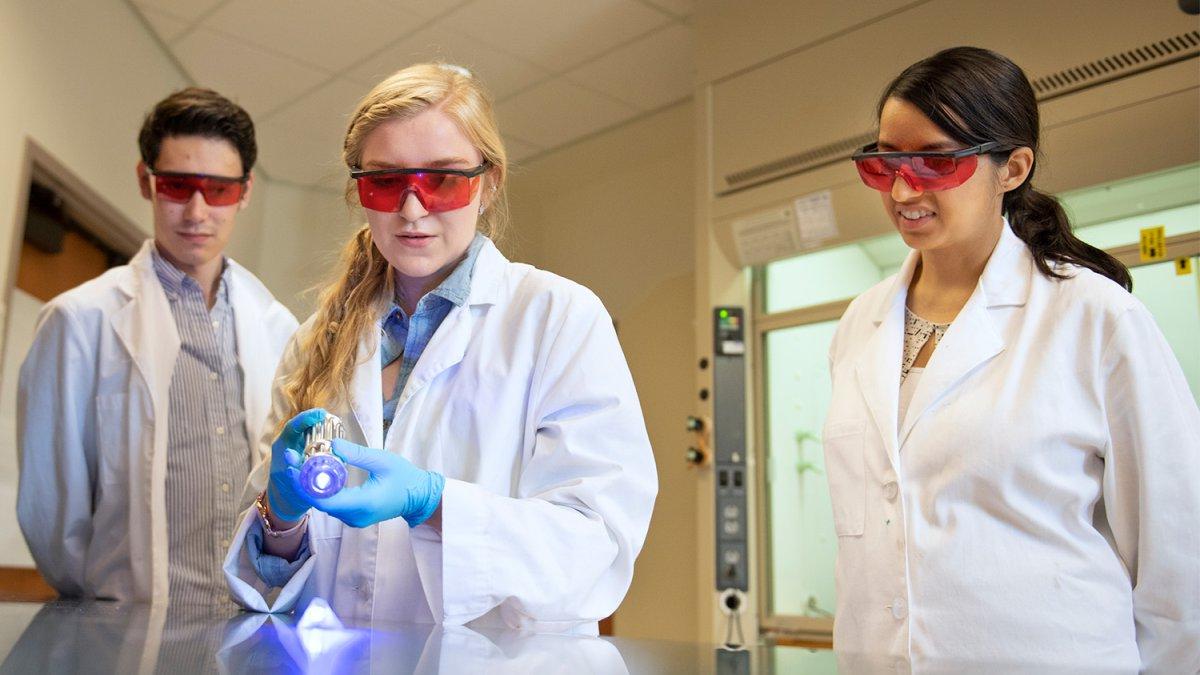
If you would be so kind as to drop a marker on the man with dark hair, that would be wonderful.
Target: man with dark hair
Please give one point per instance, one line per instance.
(143, 396)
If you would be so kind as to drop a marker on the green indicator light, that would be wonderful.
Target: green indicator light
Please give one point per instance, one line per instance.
(724, 314)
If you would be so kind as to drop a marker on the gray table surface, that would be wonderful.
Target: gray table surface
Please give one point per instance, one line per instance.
(107, 637)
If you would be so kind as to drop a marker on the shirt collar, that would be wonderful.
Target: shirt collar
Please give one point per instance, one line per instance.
(456, 287)
(172, 278)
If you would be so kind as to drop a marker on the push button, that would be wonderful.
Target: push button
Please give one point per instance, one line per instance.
(890, 490)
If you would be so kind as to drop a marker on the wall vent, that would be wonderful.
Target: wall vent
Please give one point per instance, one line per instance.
(1061, 83)
(800, 162)
(1118, 65)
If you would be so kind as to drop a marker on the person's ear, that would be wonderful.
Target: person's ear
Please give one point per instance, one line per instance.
(1015, 170)
(143, 175)
(490, 181)
(245, 200)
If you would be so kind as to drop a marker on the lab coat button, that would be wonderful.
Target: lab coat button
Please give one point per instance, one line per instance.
(899, 608)
(890, 490)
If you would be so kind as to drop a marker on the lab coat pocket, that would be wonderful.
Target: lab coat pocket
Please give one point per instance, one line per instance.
(844, 465)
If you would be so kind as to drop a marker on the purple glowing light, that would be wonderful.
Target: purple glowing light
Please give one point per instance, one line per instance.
(322, 475)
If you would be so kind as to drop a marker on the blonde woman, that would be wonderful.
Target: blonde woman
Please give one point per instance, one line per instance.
(504, 475)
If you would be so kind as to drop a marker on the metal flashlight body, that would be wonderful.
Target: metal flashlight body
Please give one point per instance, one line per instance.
(323, 473)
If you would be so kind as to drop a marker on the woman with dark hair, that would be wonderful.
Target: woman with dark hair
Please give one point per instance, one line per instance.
(1012, 449)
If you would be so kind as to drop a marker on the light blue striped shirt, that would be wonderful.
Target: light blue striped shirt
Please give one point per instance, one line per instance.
(208, 452)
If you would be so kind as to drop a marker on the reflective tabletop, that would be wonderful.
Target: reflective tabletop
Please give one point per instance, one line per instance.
(105, 637)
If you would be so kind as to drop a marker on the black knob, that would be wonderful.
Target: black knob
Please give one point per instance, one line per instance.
(695, 456)
(695, 423)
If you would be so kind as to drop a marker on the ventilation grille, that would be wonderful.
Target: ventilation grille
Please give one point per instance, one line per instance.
(804, 161)
(1057, 84)
(1117, 65)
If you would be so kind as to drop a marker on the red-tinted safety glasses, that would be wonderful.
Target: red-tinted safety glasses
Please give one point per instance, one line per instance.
(217, 190)
(437, 189)
(922, 171)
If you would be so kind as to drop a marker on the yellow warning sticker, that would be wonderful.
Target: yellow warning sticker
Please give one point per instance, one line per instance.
(1154, 243)
(1183, 266)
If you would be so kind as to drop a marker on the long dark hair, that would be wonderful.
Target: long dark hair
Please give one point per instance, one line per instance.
(976, 96)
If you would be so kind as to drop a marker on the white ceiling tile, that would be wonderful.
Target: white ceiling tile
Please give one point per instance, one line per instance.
(519, 150)
(303, 142)
(167, 26)
(187, 10)
(677, 7)
(324, 33)
(557, 35)
(502, 73)
(558, 112)
(649, 73)
(258, 81)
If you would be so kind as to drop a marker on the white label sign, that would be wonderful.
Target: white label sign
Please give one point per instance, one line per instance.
(766, 235)
(814, 218)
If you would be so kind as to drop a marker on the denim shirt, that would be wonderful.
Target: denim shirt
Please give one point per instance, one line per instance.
(405, 338)
(401, 337)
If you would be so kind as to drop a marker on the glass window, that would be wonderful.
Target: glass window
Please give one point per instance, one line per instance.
(833, 274)
(801, 527)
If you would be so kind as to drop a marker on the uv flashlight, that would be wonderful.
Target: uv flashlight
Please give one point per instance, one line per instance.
(323, 473)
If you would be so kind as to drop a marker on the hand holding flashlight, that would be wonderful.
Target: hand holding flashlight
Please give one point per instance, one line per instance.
(284, 498)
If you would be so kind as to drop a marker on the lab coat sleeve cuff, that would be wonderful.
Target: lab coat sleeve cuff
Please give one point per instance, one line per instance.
(247, 587)
(273, 570)
(468, 553)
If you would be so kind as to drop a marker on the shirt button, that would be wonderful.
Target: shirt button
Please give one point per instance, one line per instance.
(216, 324)
(225, 487)
(890, 490)
(224, 543)
(899, 608)
(220, 431)
(213, 376)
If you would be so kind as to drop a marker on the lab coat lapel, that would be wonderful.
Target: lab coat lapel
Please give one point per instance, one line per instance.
(445, 350)
(147, 330)
(253, 348)
(878, 369)
(366, 390)
(449, 344)
(970, 341)
(145, 327)
(974, 337)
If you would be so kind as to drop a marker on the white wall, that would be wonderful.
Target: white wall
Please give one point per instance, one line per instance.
(299, 237)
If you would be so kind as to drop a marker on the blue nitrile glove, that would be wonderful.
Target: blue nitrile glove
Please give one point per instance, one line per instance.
(395, 488)
(284, 498)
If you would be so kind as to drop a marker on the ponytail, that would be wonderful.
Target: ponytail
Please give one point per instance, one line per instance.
(349, 306)
(1040, 221)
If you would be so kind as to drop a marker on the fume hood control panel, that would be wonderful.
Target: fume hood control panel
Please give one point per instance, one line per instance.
(729, 460)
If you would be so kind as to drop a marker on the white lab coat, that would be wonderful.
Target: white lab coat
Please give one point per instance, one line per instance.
(92, 423)
(524, 402)
(1040, 502)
